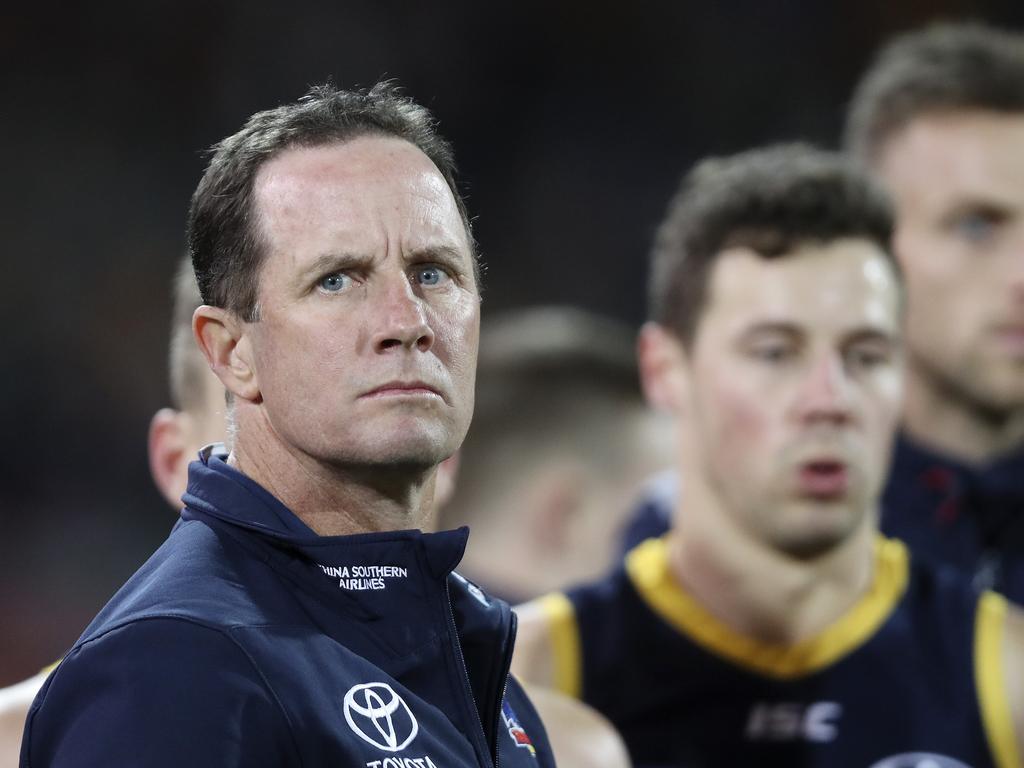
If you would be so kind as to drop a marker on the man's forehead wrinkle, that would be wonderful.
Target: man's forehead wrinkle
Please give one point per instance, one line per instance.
(356, 205)
(432, 187)
(431, 192)
(280, 208)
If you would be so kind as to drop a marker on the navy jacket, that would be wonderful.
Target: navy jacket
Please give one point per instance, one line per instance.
(247, 640)
(949, 513)
(971, 517)
(911, 675)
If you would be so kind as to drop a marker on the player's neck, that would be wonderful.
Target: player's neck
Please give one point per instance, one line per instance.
(331, 500)
(944, 420)
(760, 592)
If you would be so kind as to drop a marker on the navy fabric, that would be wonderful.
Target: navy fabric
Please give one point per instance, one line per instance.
(652, 515)
(651, 518)
(246, 639)
(948, 513)
(971, 517)
(907, 689)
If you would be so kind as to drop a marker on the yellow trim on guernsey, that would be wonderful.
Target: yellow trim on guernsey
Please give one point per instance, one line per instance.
(990, 678)
(567, 661)
(648, 567)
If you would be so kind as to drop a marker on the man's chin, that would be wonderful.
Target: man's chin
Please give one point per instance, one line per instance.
(412, 450)
(808, 548)
(1002, 397)
(810, 539)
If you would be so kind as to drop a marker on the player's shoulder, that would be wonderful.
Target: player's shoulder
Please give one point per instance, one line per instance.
(1000, 669)
(934, 606)
(580, 737)
(533, 656)
(550, 628)
(15, 701)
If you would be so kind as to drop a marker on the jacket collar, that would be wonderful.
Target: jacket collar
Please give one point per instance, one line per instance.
(219, 491)
(356, 566)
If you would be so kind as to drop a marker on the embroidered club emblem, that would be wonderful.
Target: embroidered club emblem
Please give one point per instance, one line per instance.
(515, 730)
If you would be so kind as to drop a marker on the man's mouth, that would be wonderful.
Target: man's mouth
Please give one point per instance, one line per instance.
(823, 479)
(407, 389)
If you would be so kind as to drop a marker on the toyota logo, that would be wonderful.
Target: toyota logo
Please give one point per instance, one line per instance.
(380, 716)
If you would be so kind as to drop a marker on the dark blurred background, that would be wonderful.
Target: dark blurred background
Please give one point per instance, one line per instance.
(572, 122)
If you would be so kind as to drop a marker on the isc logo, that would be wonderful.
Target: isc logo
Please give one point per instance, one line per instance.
(791, 721)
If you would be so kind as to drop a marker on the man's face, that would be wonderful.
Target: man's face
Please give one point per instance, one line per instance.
(958, 184)
(792, 389)
(366, 343)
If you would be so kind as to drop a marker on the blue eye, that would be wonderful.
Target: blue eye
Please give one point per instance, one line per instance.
(771, 353)
(867, 356)
(334, 282)
(975, 227)
(430, 275)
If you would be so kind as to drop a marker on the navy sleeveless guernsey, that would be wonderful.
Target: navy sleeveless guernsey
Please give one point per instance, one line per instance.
(910, 676)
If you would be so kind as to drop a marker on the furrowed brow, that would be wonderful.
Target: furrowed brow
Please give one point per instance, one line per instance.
(333, 261)
(445, 254)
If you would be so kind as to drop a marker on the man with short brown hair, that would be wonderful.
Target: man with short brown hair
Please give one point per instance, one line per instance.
(938, 118)
(772, 625)
(295, 616)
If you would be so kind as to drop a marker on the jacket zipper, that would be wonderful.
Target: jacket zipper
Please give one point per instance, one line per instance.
(510, 642)
(468, 689)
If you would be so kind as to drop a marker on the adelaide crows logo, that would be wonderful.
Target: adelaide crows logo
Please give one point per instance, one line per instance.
(515, 730)
(378, 715)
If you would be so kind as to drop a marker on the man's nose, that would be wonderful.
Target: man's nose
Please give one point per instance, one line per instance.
(825, 394)
(401, 319)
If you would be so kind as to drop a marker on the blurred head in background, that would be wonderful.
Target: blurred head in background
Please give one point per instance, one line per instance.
(939, 119)
(197, 415)
(775, 341)
(560, 441)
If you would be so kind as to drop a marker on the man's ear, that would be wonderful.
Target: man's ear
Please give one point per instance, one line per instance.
(223, 340)
(556, 498)
(663, 367)
(168, 454)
